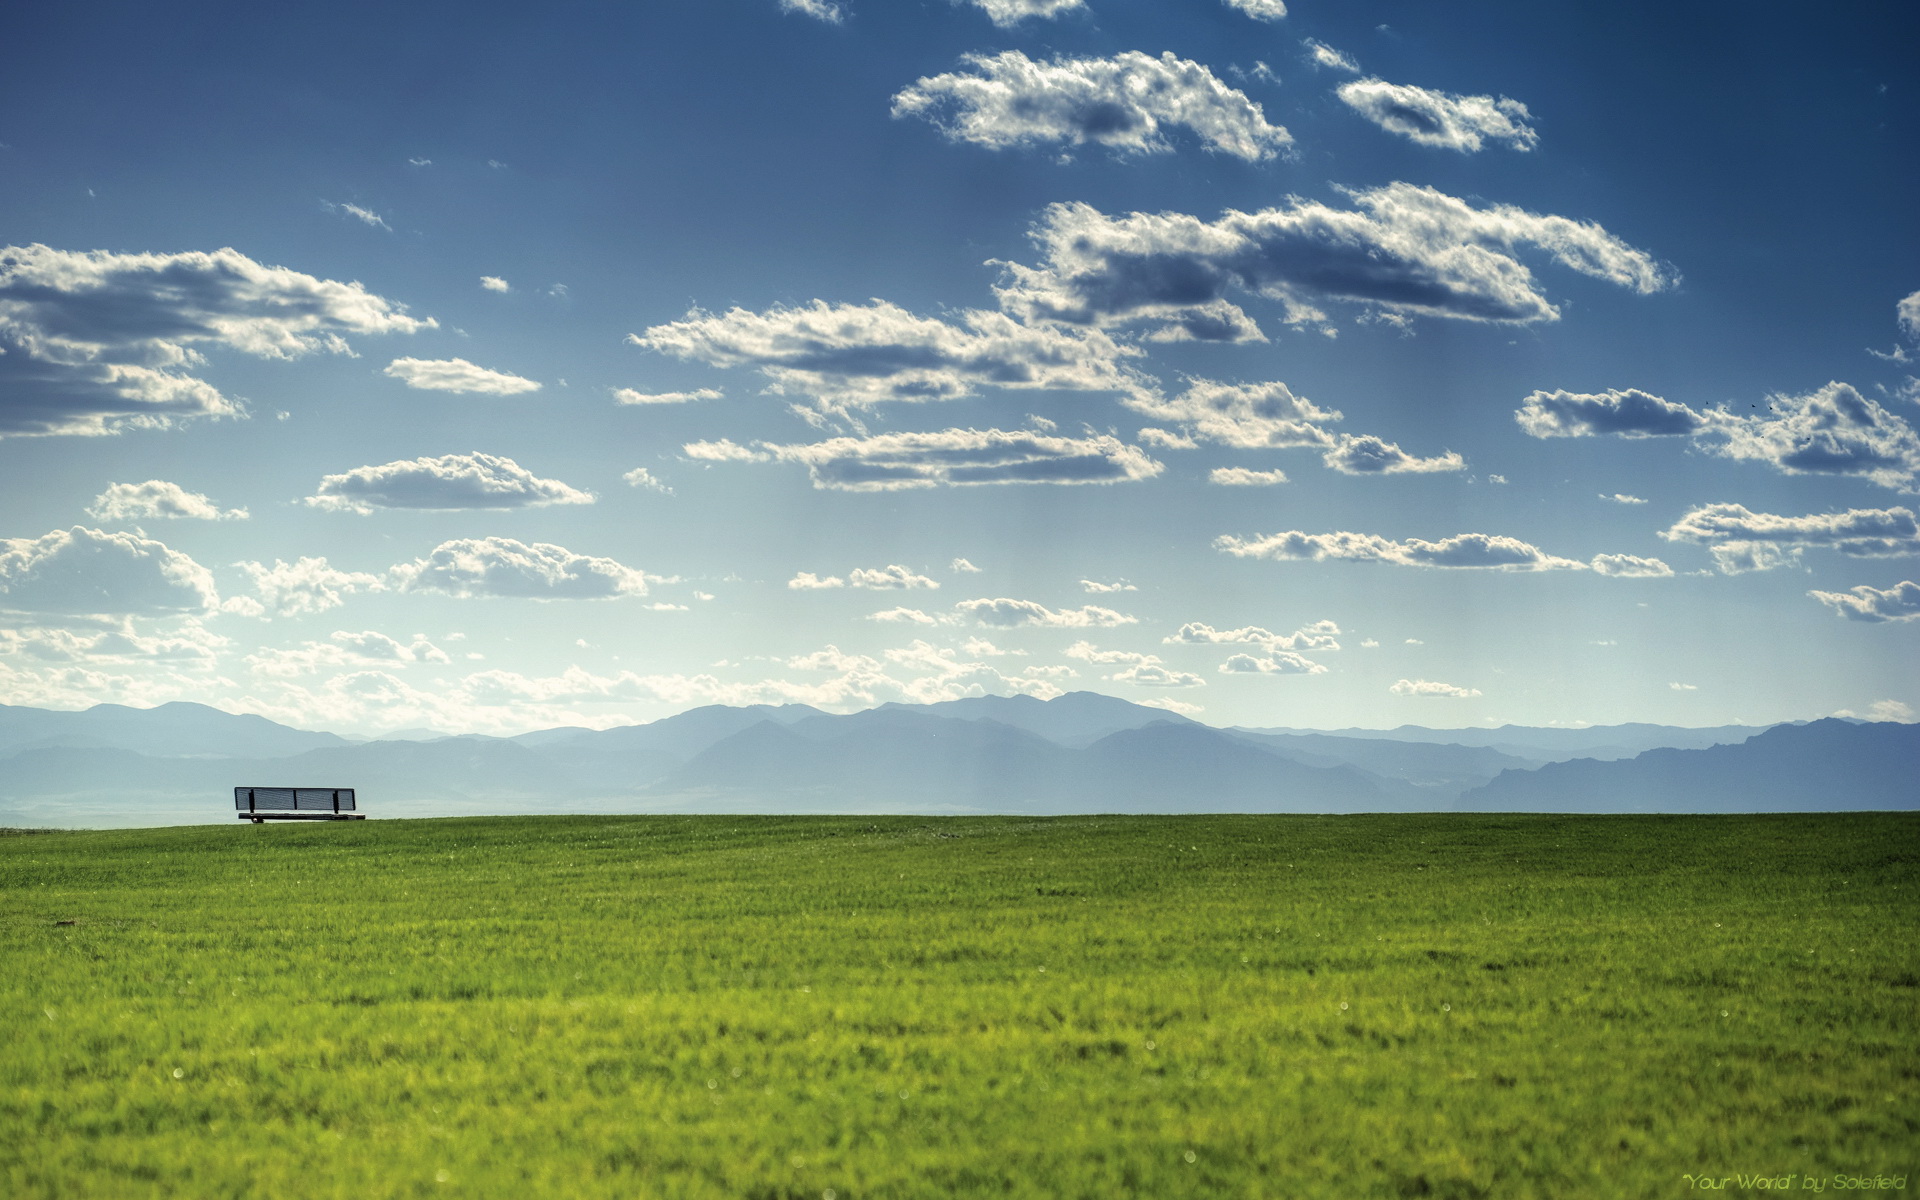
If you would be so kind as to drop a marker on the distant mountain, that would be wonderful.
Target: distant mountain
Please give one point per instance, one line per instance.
(1822, 766)
(1552, 745)
(1075, 719)
(173, 730)
(1081, 752)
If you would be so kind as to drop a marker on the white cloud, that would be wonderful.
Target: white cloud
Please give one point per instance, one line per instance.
(1095, 587)
(1622, 498)
(1144, 670)
(851, 355)
(493, 283)
(1005, 13)
(345, 650)
(1684, 687)
(1322, 55)
(1253, 416)
(86, 572)
(1908, 315)
(451, 481)
(1466, 550)
(640, 477)
(1243, 477)
(365, 216)
(156, 499)
(498, 566)
(186, 645)
(629, 396)
(889, 577)
(1631, 413)
(92, 343)
(1280, 662)
(1428, 687)
(1901, 602)
(953, 457)
(1007, 614)
(807, 581)
(1440, 119)
(1368, 455)
(1628, 566)
(824, 10)
(1157, 675)
(1127, 102)
(1321, 635)
(1403, 250)
(309, 585)
(1171, 705)
(1260, 10)
(456, 375)
(1832, 431)
(1741, 541)
(901, 616)
(961, 566)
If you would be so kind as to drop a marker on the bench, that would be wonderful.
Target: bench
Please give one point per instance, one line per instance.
(259, 804)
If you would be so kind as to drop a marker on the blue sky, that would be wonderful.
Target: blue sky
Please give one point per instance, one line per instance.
(1313, 365)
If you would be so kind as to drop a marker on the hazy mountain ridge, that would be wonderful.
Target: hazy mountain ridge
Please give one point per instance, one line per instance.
(1082, 752)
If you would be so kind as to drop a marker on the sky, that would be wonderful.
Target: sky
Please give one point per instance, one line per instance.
(485, 368)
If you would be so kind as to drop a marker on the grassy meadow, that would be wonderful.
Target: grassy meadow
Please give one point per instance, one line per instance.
(841, 1008)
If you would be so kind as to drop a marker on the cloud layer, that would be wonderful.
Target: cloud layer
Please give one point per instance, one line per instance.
(456, 375)
(451, 481)
(953, 457)
(1401, 249)
(1741, 540)
(1127, 102)
(1442, 119)
(86, 572)
(157, 499)
(1901, 602)
(498, 566)
(849, 355)
(94, 342)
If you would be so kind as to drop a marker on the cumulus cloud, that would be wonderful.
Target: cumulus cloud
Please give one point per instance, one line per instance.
(1245, 477)
(1741, 540)
(309, 585)
(901, 616)
(1402, 250)
(961, 566)
(1095, 587)
(1908, 314)
(157, 499)
(451, 481)
(1008, 614)
(493, 283)
(1368, 455)
(1832, 431)
(1260, 10)
(640, 477)
(1628, 566)
(1322, 55)
(1901, 602)
(1622, 498)
(629, 396)
(824, 10)
(365, 216)
(345, 650)
(187, 645)
(1128, 102)
(456, 375)
(498, 566)
(1270, 416)
(1466, 550)
(807, 581)
(95, 342)
(1006, 13)
(852, 355)
(1280, 662)
(892, 576)
(1631, 413)
(87, 572)
(1321, 635)
(1442, 119)
(1144, 670)
(953, 457)
(1428, 687)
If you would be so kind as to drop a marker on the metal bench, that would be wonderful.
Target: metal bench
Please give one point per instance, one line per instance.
(259, 804)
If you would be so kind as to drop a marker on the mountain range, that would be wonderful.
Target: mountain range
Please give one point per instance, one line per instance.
(1081, 752)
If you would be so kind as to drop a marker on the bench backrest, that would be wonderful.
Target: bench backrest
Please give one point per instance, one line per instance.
(287, 799)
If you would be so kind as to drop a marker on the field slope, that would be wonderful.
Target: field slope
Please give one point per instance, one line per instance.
(1247, 1006)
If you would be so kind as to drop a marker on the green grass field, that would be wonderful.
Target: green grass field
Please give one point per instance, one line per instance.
(840, 1008)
